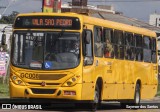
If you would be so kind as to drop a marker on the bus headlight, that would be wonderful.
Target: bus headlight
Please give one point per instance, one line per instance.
(72, 81)
(16, 80)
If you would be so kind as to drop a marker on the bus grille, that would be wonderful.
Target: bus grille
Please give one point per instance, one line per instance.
(51, 77)
(43, 91)
(39, 83)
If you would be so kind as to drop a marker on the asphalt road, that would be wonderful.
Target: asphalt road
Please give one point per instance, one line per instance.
(150, 105)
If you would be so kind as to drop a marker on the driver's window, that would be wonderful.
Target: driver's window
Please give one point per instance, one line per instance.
(89, 45)
(88, 48)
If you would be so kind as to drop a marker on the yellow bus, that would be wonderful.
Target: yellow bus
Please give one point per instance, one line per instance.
(78, 58)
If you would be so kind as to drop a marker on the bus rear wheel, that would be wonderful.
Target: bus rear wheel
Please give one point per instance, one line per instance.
(135, 101)
(137, 96)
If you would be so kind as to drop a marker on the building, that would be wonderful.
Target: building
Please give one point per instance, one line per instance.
(81, 6)
(86, 9)
(154, 20)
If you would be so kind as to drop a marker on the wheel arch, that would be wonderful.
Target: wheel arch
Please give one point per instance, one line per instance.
(139, 82)
(99, 82)
(140, 85)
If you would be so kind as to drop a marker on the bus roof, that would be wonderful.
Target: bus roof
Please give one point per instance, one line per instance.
(99, 22)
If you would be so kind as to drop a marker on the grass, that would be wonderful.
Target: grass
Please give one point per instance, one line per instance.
(158, 92)
(4, 90)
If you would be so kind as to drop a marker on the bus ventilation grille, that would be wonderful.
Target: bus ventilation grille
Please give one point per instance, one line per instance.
(43, 91)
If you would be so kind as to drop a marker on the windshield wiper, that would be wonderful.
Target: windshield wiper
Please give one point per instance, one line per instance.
(60, 34)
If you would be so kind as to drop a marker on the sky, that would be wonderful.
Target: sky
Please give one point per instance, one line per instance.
(139, 9)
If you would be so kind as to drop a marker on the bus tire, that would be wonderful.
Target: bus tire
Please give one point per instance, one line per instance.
(137, 96)
(135, 101)
(96, 102)
(92, 106)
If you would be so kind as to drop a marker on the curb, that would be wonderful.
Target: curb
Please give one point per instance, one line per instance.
(157, 98)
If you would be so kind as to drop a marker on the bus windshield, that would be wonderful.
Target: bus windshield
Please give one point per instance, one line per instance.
(46, 50)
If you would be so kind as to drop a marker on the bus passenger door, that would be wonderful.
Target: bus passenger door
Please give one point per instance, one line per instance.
(98, 53)
(88, 68)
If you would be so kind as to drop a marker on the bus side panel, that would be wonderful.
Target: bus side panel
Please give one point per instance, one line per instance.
(88, 77)
(88, 86)
(148, 91)
(155, 74)
(151, 85)
(110, 92)
(145, 72)
(119, 67)
(127, 91)
(109, 88)
(126, 80)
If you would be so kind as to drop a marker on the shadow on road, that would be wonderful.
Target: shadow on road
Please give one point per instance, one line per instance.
(73, 108)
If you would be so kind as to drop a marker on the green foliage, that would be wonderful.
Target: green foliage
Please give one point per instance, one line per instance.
(158, 92)
(9, 19)
(4, 90)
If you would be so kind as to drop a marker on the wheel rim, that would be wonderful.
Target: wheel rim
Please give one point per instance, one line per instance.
(96, 97)
(137, 97)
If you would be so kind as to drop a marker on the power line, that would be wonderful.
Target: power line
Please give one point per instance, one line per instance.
(124, 1)
(118, 1)
(2, 7)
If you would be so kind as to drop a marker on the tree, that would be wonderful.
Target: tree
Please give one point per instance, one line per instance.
(9, 19)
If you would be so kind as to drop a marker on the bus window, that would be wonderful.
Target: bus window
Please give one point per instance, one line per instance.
(158, 42)
(129, 46)
(108, 45)
(154, 58)
(139, 50)
(146, 49)
(98, 46)
(87, 48)
(119, 44)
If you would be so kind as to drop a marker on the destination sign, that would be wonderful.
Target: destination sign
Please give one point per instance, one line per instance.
(47, 22)
(52, 22)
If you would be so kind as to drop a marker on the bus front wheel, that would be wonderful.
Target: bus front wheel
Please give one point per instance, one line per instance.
(96, 100)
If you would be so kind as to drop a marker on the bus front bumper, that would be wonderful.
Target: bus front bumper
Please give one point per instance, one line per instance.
(47, 92)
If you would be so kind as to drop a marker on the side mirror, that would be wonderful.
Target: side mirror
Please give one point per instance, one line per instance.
(3, 41)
